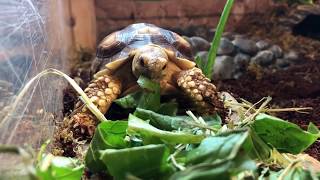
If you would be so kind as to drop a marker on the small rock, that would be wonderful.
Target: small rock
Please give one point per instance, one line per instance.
(277, 51)
(240, 36)
(226, 47)
(224, 68)
(229, 35)
(237, 75)
(292, 56)
(203, 55)
(199, 44)
(263, 58)
(246, 46)
(262, 45)
(242, 60)
(282, 63)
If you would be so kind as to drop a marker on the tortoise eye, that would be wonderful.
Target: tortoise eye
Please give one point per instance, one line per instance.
(141, 61)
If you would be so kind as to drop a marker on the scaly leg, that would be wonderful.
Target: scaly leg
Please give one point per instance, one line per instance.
(102, 91)
(201, 91)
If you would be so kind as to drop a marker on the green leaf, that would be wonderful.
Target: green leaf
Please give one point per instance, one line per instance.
(170, 108)
(148, 84)
(217, 157)
(222, 170)
(313, 129)
(170, 123)
(130, 100)
(295, 173)
(108, 135)
(256, 147)
(144, 161)
(149, 133)
(283, 135)
(151, 97)
(62, 168)
(160, 121)
(218, 148)
(216, 40)
(213, 120)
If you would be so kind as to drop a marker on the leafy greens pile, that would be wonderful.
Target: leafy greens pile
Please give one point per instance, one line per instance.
(155, 143)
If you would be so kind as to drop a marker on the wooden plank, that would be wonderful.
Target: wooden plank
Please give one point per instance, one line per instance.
(84, 23)
(58, 27)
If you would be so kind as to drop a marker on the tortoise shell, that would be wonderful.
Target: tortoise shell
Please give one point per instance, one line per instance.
(120, 43)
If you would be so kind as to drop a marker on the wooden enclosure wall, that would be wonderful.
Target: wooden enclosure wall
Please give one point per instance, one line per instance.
(75, 24)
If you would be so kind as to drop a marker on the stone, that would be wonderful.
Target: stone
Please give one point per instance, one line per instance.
(262, 45)
(246, 46)
(199, 44)
(282, 63)
(277, 51)
(263, 58)
(292, 56)
(203, 55)
(229, 35)
(242, 60)
(224, 68)
(226, 47)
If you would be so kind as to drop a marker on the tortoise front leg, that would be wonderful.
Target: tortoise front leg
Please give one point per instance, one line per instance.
(201, 91)
(102, 91)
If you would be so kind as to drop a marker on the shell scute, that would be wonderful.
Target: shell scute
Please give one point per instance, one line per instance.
(119, 44)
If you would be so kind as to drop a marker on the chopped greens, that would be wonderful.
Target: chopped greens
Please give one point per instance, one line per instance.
(144, 161)
(129, 101)
(148, 132)
(164, 122)
(108, 135)
(283, 135)
(151, 98)
(55, 167)
(156, 142)
(217, 148)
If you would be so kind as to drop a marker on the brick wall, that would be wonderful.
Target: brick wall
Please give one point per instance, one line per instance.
(173, 14)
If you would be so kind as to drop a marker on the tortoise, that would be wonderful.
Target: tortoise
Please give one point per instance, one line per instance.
(143, 49)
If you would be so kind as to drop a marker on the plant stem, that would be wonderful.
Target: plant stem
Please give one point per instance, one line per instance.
(216, 40)
(83, 95)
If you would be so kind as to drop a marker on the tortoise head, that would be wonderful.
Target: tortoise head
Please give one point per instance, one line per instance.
(150, 61)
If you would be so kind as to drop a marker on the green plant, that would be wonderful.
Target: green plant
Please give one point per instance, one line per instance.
(208, 67)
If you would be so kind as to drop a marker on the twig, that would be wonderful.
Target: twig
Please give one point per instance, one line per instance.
(287, 169)
(173, 160)
(202, 126)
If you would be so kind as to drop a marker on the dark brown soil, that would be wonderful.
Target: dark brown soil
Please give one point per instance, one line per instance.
(297, 86)
(278, 26)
